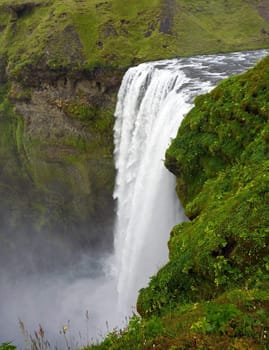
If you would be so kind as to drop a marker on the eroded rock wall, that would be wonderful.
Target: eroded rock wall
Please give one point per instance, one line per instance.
(56, 164)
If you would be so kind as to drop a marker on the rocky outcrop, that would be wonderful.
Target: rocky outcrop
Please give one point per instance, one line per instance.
(168, 11)
(17, 10)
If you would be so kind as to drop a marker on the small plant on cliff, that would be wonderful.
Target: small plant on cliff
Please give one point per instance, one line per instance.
(7, 346)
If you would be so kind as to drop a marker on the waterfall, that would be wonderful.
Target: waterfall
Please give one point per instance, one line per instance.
(146, 118)
(152, 101)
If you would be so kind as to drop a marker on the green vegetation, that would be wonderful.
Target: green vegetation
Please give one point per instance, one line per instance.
(236, 320)
(213, 292)
(79, 35)
(7, 346)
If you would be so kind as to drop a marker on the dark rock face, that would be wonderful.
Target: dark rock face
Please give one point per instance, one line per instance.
(167, 16)
(263, 9)
(18, 10)
(3, 76)
(56, 162)
(68, 42)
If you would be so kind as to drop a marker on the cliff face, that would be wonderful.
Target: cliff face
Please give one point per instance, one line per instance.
(57, 171)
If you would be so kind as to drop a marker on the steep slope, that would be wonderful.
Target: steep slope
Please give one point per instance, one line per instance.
(220, 158)
(213, 293)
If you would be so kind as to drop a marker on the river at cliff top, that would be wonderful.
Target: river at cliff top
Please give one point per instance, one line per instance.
(90, 294)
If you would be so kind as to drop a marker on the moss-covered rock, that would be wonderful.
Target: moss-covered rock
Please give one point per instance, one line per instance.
(56, 170)
(220, 158)
(222, 126)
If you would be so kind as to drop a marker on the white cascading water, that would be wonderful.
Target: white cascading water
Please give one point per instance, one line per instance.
(146, 209)
(152, 101)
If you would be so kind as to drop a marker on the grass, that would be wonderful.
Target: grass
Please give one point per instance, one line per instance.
(7, 346)
(236, 320)
(109, 34)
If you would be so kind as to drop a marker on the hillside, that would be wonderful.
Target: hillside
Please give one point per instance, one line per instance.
(213, 292)
(90, 33)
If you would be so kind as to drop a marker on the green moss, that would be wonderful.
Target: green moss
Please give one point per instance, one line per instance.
(236, 320)
(82, 35)
(98, 122)
(219, 129)
(220, 157)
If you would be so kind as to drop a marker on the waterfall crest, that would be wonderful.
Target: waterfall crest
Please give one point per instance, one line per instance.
(152, 101)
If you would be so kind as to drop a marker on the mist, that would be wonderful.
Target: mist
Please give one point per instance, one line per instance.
(84, 305)
(57, 284)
